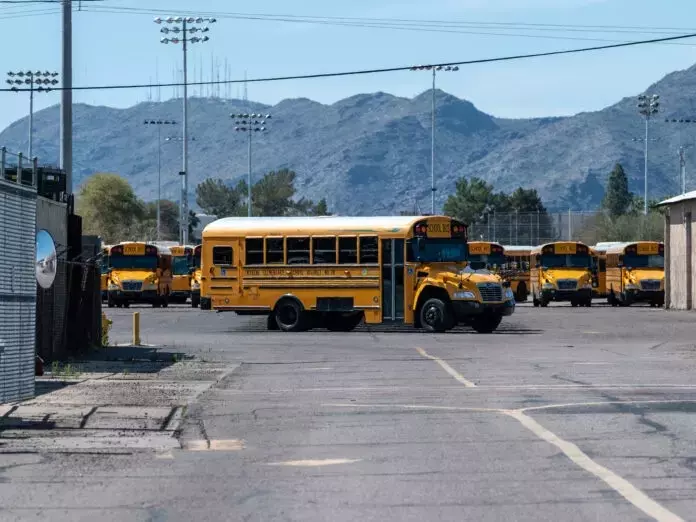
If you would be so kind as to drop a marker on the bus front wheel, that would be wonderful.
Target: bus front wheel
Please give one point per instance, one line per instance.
(486, 323)
(290, 317)
(521, 294)
(435, 315)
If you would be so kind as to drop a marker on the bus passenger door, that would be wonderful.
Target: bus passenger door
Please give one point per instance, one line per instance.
(393, 280)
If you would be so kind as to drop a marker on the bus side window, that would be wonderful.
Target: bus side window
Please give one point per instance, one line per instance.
(298, 250)
(223, 256)
(254, 251)
(368, 251)
(348, 250)
(275, 252)
(324, 250)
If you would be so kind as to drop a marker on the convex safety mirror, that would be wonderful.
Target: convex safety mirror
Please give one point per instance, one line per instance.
(46, 259)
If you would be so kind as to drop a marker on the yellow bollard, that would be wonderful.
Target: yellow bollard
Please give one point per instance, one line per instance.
(136, 328)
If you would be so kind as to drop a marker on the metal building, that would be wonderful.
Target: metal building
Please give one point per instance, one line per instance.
(680, 251)
(17, 288)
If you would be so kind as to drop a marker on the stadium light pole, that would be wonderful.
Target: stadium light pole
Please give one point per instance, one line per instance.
(184, 30)
(435, 69)
(36, 81)
(158, 124)
(648, 106)
(250, 123)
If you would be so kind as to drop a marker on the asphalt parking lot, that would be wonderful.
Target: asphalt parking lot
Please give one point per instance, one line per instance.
(562, 414)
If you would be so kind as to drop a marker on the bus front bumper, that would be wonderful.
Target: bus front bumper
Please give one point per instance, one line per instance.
(467, 309)
(567, 295)
(145, 296)
(642, 296)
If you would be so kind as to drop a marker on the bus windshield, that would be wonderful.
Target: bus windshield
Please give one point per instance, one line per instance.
(654, 261)
(566, 261)
(196, 262)
(134, 262)
(180, 265)
(437, 251)
(479, 261)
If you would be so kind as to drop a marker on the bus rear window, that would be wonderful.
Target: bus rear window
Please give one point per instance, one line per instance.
(223, 255)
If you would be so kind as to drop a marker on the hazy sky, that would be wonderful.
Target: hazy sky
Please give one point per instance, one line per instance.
(117, 44)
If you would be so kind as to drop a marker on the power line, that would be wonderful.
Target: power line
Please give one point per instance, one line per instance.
(385, 69)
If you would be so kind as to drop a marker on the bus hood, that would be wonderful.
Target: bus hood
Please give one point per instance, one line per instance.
(117, 276)
(581, 275)
(641, 274)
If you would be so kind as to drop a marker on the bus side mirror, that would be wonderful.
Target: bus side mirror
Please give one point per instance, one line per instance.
(506, 284)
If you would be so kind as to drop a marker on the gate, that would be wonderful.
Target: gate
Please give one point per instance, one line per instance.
(17, 282)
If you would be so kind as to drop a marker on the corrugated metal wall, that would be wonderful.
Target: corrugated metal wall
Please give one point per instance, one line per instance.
(682, 256)
(17, 291)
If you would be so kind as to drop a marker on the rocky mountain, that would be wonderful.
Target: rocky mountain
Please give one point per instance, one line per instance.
(370, 153)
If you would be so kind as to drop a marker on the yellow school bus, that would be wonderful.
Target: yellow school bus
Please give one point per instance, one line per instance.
(561, 271)
(182, 260)
(599, 271)
(104, 271)
(196, 277)
(636, 273)
(139, 273)
(517, 270)
(495, 257)
(333, 272)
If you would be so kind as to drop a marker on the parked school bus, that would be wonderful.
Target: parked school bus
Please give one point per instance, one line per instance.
(495, 257)
(139, 273)
(196, 277)
(517, 270)
(561, 271)
(599, 271)
(182, 261)
(333, 271)
(636, 273)
(104, 271)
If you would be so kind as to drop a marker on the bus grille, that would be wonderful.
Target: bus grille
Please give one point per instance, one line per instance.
(650, 284)
(132, 286)
(567, 284)
(490, 292)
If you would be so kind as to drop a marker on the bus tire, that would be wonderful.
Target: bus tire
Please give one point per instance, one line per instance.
(435, 315)
(165, 302)
(486, 323)
(271, 323)
(195, 302)
(521, 294)
(535, 301)
(290, 316)
(342, 322)
(126, 304)
(573, 303)
(110, 302)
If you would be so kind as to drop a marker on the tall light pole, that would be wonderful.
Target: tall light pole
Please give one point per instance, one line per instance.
(158, 124)
(182, 28)
(648, 106)
(66, 99)
(250, 123)
(36, 81)
(434, 69)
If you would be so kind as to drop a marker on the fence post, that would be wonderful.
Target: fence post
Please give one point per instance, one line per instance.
(35, 172)
(20, 169)
(3, 158)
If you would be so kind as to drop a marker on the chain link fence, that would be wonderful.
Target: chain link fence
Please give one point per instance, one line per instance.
(590, 227)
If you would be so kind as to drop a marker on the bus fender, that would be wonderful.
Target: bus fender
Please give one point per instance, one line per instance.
(428, 286)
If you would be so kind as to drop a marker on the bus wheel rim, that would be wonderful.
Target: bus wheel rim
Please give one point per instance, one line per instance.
(432, 315)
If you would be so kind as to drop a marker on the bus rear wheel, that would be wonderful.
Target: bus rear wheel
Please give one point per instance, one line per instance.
(342, 322)
(195, 301)
(521, 294)
(290, 317)
(435, 315)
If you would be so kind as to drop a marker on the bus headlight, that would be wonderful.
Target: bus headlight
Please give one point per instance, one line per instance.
(632, 286)
(195, 286)
(464, 295)
(587, 286)
(509, 295)
(548, 286)
(148, 285)
(113, 286)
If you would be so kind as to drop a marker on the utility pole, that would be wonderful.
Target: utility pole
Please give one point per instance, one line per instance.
(647, 106)
(66, 99)
(250, 123)
(189, 25)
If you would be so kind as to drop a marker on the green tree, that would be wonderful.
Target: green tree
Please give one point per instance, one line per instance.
(215, 197)
(109, 207)
(169, 219)
(193, 222)
(525, 200)
(617, 198)
(322, 208)
(472, 200)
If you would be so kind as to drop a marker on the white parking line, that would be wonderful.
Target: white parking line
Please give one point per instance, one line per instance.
(627, 490)
(454, 373)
